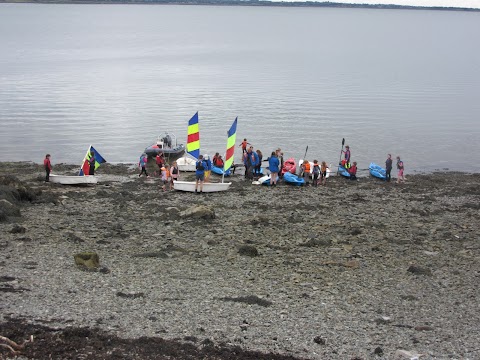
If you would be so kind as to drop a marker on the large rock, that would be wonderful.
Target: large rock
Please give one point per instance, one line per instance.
(90, 260)
(200, 212)
(8, 209)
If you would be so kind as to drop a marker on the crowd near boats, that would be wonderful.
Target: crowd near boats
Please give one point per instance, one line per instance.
(173, 158)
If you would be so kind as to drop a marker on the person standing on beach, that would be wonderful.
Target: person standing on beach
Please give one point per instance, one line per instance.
(348, 156)
(279, 154)
(91, 163)
(323, 173)
(273, 165)
(250, 161)
(306, 171)
(244, 144)
(159, 160)
(175, 172)
(143, 164)
(352, 170)
(208, 168)
(316, 172)
(388, 167)
(400, 168)
(199, 173)
(258, 166)
(48, 167)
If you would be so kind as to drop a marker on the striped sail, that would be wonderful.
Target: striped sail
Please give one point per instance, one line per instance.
(85, 169)
(193, 139)
(232, 136)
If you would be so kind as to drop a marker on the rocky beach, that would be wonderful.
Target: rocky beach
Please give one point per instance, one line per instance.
(354, 270)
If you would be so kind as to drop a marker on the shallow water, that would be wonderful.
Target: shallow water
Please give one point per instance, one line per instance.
(388, 81)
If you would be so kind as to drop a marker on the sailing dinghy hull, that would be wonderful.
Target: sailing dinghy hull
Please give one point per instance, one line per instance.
(189, 186)
(73, 180)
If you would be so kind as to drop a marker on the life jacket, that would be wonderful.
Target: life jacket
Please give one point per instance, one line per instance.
(167, 172)
(324, 168)
(200, 165)
(316, 169)
(159, 160)
(306, 166)
(244, 145)
(174, 170)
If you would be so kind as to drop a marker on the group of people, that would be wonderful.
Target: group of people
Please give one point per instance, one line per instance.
(318, 172)
(166, 172)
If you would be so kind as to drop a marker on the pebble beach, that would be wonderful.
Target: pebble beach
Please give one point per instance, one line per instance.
(353, 270)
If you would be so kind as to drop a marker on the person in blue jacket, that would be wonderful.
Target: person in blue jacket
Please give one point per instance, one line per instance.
(143, 164)
(200, 167)
(208, 168)
(274, 166)
(250, 160)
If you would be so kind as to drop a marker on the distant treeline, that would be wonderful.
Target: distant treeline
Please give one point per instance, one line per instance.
(243, 3)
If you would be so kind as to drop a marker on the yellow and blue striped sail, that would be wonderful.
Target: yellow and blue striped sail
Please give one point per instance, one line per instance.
(232, 136)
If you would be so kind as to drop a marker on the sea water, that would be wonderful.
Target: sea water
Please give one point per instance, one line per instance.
(115, 76)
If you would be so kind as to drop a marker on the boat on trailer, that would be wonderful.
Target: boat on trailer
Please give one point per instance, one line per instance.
(73, 180)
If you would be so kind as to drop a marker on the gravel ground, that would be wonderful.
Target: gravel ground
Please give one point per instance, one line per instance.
(356, 269)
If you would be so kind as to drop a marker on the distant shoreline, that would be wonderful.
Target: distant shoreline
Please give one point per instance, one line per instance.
(245, 3)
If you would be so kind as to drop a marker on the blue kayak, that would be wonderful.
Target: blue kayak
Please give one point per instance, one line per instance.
(342, 171)
(219, 171)
(377, 171)
(292, 179)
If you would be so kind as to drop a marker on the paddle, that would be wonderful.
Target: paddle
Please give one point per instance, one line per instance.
(304, 156)
(341, 151)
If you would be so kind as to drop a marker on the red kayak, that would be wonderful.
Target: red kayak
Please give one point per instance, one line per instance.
(289, 166)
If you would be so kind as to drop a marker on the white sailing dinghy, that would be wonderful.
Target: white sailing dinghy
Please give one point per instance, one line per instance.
(83, 177)
(214, 187)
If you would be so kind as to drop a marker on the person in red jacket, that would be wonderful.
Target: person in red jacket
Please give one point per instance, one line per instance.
(353, 171)
(48, 167)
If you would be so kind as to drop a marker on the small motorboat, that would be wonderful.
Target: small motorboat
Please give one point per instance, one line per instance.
(73, 180)
(167, 145)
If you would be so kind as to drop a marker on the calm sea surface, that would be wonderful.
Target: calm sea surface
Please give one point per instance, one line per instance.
(115, 76)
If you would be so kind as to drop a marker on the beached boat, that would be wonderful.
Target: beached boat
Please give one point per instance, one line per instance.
(377, 171)
(289, 166)
(186, 163)
(73, 180)
(293, 179)
(264, 180)
(189, 186)
(167, 145)
(342, 171)
(213, 187)
(219, 171)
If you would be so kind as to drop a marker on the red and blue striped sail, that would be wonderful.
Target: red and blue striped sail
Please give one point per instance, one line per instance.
(85, 169)
(232, 136)
(193, 139)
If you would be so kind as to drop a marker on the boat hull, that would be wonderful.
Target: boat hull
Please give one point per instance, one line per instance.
(342, 171)
(189, 186)
(289, 166)
(186, 163)
(73, 180)
(219, 171)
(154, 150)
(377, 171)
(293, 179)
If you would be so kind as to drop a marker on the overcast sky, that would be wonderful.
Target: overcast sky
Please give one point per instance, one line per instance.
(447, 3)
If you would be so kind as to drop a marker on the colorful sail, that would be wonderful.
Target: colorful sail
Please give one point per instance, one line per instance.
(193, 140)
(232, 136)
(85, 169)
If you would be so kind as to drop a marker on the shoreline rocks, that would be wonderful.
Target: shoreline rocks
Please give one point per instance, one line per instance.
(343, 271)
